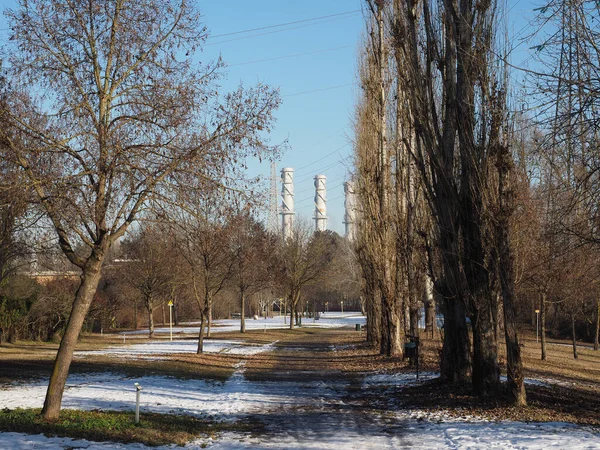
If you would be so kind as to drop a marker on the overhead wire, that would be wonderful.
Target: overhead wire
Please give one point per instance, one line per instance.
(250, 30)
(293, 55)
(270, 32)
(321, 159)
(320, 90)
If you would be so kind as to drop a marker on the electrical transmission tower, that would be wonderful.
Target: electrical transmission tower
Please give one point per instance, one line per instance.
(273, 218)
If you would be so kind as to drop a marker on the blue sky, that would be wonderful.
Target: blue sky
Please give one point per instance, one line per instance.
(317, 124)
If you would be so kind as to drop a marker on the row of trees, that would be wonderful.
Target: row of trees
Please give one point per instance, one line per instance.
(434, 171)
(469, 195)
(229, 256)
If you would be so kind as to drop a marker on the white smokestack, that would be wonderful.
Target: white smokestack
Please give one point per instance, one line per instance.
(350, 206)
(320, 203)
(287, 205)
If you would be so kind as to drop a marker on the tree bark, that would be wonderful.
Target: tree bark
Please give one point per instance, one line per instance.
(574, 336)
(210, 318)
(150, 318)
(243, 313)
(83, 299)
(542, 324)
(135, 314)
(597, 330)
(486, 373)
(455, 361)
(396, 334)
(201, 333)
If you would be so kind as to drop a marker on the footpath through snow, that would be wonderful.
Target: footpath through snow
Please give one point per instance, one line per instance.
(300, 414)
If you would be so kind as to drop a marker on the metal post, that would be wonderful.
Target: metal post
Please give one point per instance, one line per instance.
(138, 389)
(170, 320)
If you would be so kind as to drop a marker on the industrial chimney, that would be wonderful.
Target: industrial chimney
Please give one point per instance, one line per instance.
(320, 203)
(350, 207)
(287, 204)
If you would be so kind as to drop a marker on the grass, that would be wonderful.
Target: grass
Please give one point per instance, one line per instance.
(117, 426)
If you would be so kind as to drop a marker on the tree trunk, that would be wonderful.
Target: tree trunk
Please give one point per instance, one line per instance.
(210, 318)
(201, 333)
(373, 313)
(485, 373)
(164, 316)
(243, 313)
(574, 336)
(455, 361)
(514, 364)
(396, 334)
(597, 330)
(150, 318)
(385, 344)
(292, 308)
(542, 324)
(135, 314)
(83, 299)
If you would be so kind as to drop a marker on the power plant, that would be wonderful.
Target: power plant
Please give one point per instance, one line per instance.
(320, 201)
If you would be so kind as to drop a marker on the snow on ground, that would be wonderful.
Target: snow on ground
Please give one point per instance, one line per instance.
(297, 414)
(228, 401)
(395, 379)
(150, 350)
(326, 320)
(454, 435)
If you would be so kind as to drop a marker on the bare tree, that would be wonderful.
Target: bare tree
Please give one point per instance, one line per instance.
(302, 259)
(251, 248)
(203, 237)
(455, 104)
(105, 105)
(150, 268)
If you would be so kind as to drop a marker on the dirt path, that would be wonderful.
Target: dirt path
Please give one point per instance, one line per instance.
(321, 370)
(327, 399)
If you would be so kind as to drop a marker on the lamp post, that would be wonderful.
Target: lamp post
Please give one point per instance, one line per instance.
(170, 319)
(342, 303)
(537, 324)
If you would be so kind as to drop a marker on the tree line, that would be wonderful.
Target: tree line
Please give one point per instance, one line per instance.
(473, 200)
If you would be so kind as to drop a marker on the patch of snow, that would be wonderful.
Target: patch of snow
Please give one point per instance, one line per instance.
(374, 380)
(544, 382)
(149, 350)
(326, 320)
(421, 435)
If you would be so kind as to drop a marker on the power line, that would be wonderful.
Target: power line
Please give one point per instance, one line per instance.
(290, 56)
(284, 24)
(272, 32)
(320, 90)
(322, 169)
(321, 159)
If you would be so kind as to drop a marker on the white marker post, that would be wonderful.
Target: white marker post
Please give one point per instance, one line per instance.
(138, 389)
(342, 302)
(170, 319)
